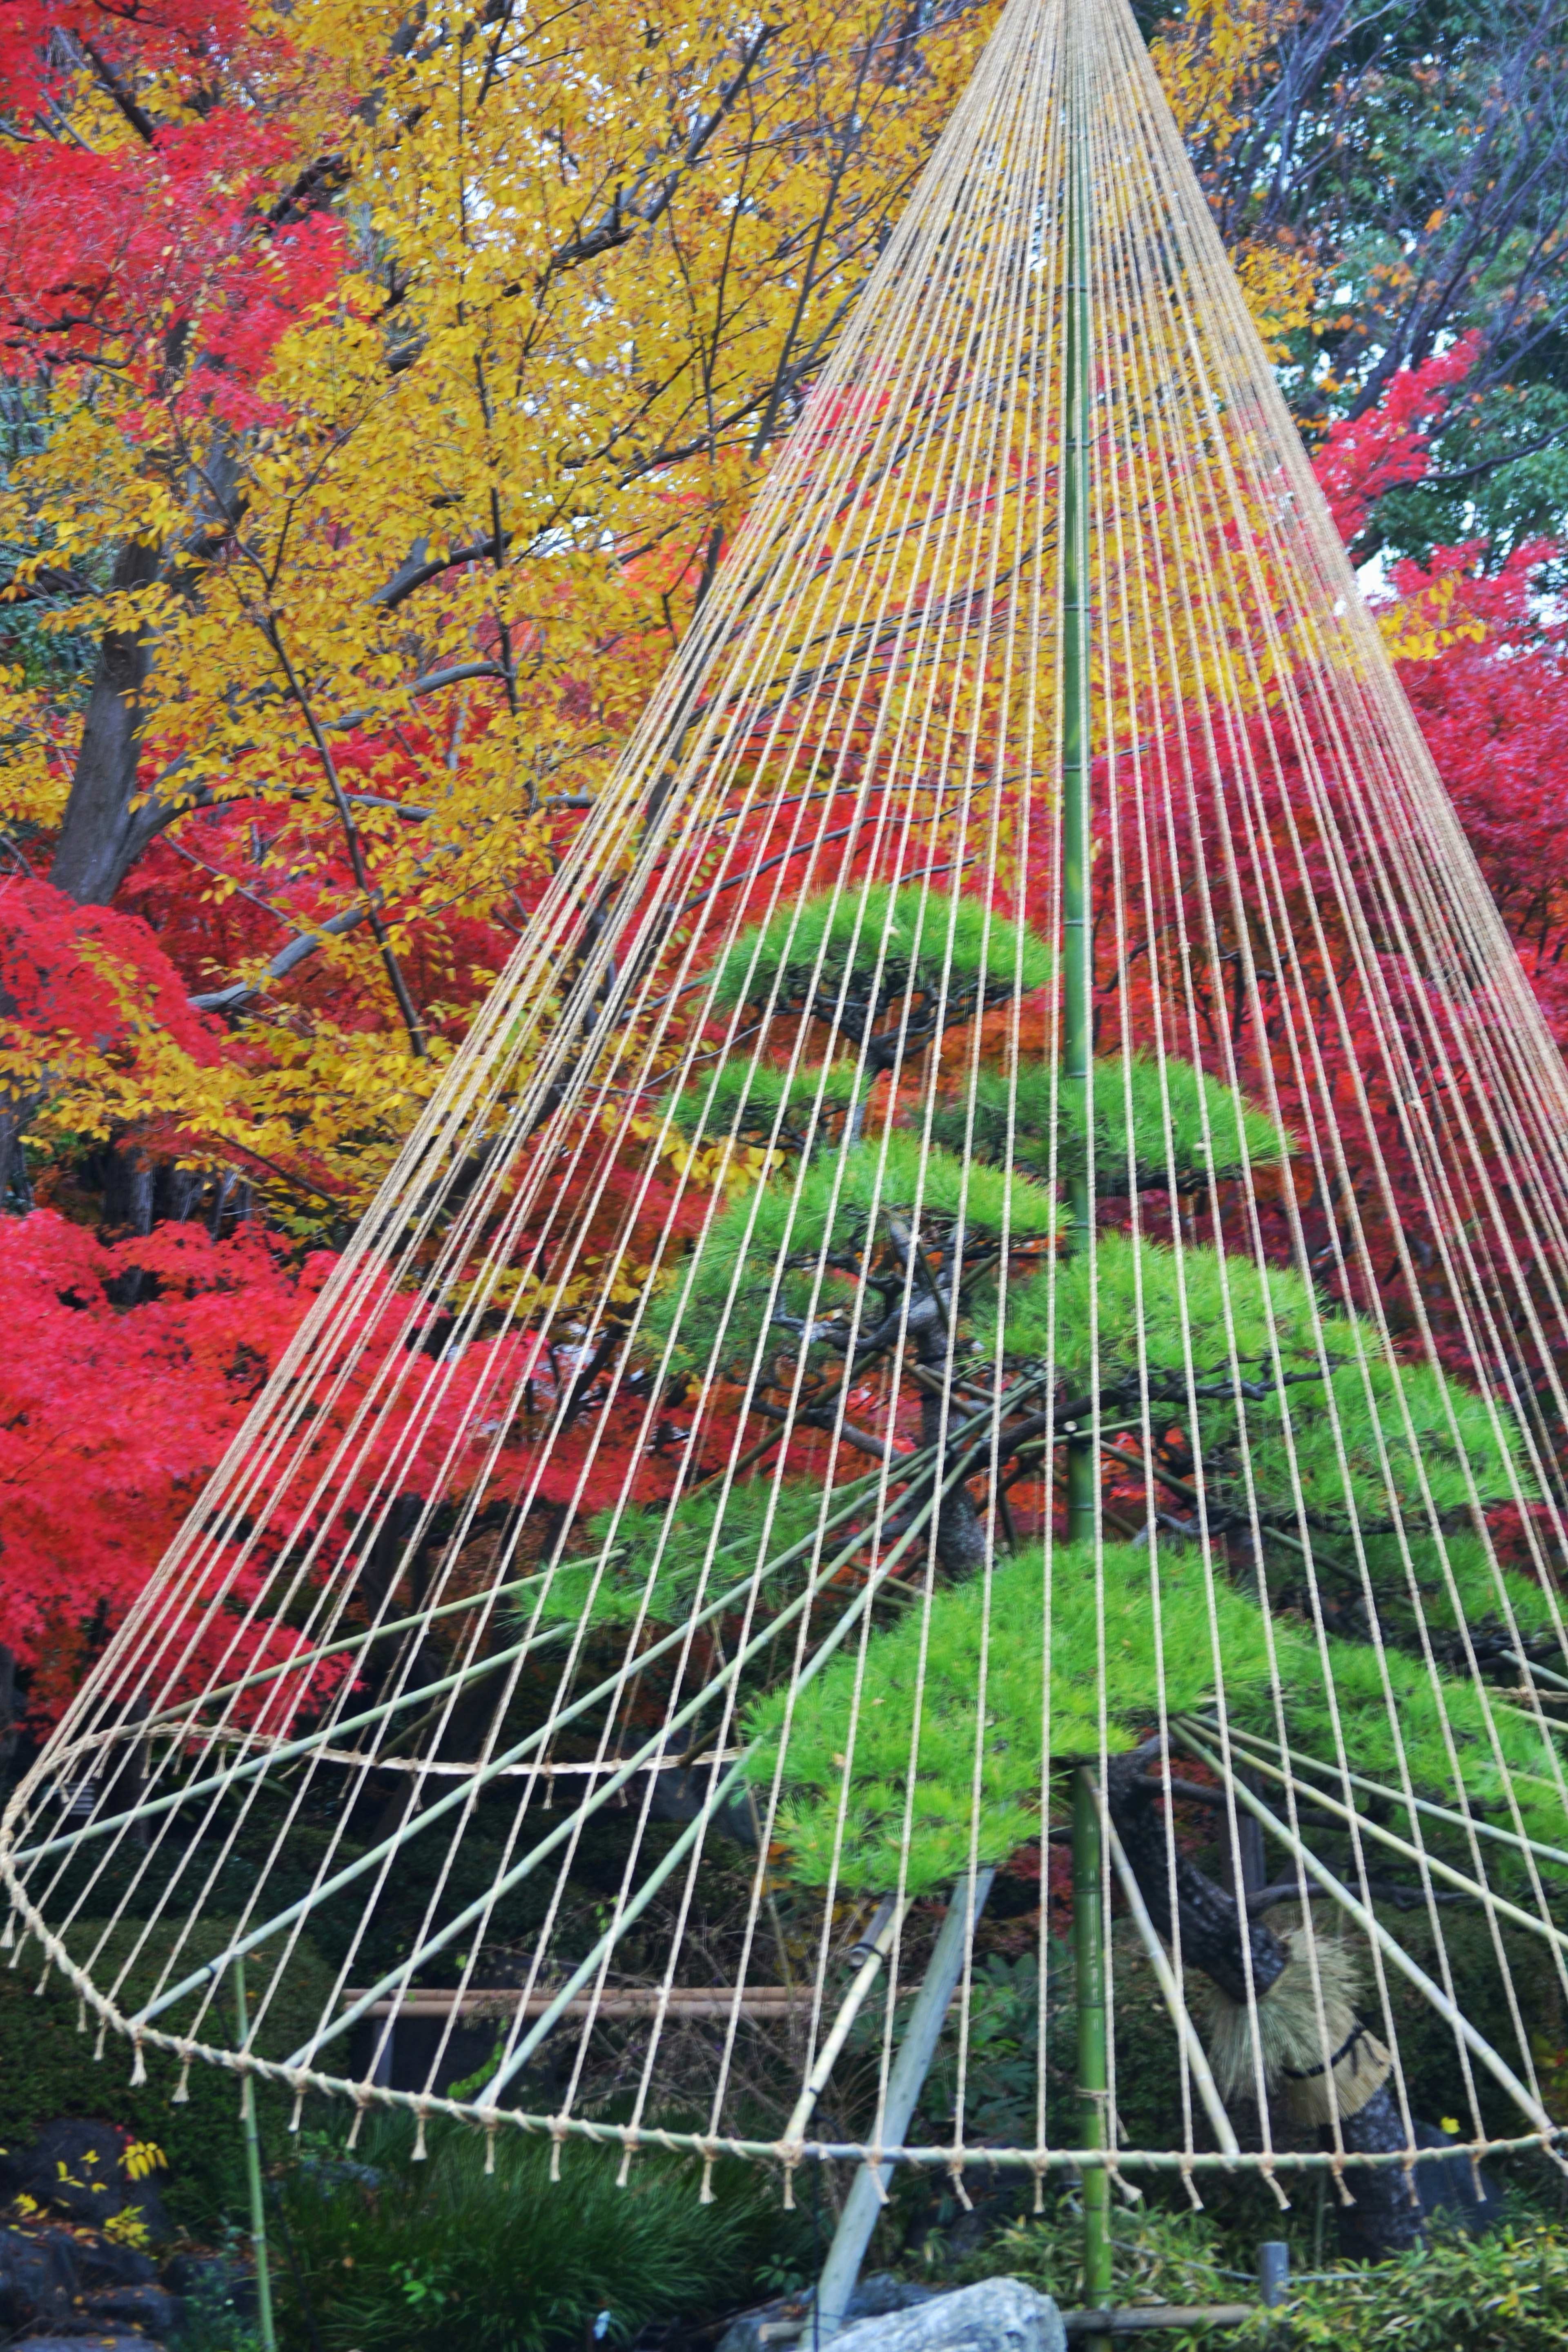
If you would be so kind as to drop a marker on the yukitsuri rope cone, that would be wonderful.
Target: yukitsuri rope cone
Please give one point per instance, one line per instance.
(956, 1297)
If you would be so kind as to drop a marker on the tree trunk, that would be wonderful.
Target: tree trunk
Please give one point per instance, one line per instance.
(1386, 2219)
(102, 835)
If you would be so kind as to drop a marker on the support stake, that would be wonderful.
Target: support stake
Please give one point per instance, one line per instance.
(868, 2192)
(264, 2326)
(1093, 2073)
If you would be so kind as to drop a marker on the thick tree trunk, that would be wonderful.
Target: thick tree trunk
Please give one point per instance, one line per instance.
(1214, 1932)
(102, 835)
(1384, 2219)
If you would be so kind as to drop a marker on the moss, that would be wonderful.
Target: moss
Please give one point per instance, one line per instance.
(1150, 1124)
(47, 2068)
(914, 932)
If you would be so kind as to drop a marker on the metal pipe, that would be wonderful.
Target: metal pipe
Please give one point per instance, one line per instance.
(868, 2192)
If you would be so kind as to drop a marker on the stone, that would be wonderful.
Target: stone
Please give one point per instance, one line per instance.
(148, 2308)
(76, 2166)
(38, 2279)
(102, 2262)
(998, 2315)
(787, 2319)
(1466, 2198)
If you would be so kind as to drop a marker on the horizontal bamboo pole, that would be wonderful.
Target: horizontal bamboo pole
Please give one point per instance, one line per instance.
(637, 2000)
(1141, 2319)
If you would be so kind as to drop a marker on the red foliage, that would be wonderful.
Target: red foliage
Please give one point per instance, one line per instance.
(1391, 444)
(88, 975)
(112, 1415)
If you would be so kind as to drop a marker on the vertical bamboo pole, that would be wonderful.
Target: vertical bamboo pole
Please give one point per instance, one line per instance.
(264, 2326)
(1077, 1084)
(1093, 2073)
(1077, 1089)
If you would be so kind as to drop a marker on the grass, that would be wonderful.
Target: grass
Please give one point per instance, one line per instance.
(430, 2255)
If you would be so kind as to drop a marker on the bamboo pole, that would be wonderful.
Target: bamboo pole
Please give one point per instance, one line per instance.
(1198, 2057)
(1093, 2072)
(264, 2326)
(1077, 1088)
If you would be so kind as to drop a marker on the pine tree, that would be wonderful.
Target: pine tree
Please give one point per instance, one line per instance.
(871, 1241)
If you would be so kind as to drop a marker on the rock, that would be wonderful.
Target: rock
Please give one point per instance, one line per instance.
(95, 2340)
(77, 2166)
(788, 2317)
(38, 2279)
(998, 2315)
(104, 2263)
(147, 2307)
(212, 2285)
(1467, 2199)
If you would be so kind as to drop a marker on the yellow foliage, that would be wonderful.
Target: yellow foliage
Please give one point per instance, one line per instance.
(552, 376)
(405, 616)
(1211, 64)
(1418, 628)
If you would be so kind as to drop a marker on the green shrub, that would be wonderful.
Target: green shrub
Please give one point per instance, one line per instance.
(832, 1202)
(423, 2257)
(855, 1726)
(917, 933)
(1507, 2292)
(752, 1099)
(47, 2068)
(757, 1523)
(1142, 1305)
(1157, 2256)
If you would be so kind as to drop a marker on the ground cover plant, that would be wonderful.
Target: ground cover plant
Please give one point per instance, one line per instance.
(394, 2256)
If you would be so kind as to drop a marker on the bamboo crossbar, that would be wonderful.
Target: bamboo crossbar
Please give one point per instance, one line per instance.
(640, 2001)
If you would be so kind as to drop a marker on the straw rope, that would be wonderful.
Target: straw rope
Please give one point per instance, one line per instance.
(550, 1497)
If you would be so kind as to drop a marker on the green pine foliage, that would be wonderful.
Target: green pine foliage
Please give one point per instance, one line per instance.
(1458, 1583)
(827, 1209)
(1154, 1125)
(885, 940)
(756, 1103)
(653, 1562)
(1142, 1306)
(999, 1626)
(852, 1747)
